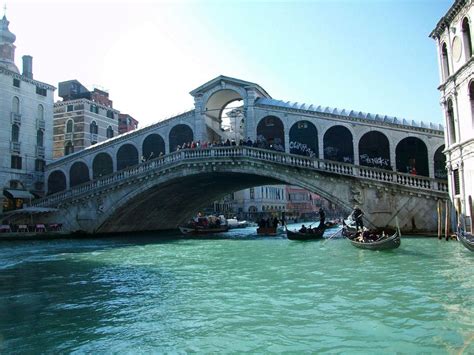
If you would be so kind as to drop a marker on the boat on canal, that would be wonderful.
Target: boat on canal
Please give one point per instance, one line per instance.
(373, 240)
(466, 239)
(203, 225)
(268, 231)
(309, 234)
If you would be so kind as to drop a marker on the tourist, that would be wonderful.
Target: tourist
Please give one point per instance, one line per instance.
(275, 222)
(357, 217)
(303, 229)
(322, 217)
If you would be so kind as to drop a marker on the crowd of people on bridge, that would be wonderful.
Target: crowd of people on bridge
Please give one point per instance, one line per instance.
(260, 142)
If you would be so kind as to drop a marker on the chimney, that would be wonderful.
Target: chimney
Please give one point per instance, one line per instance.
(28, 66)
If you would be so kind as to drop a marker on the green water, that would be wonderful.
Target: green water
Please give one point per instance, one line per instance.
(233, 294)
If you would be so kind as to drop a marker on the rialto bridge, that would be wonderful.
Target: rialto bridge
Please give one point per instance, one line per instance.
(144, 180)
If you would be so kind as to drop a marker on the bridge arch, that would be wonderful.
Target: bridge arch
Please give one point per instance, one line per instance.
(102, 165)
(271, 133)
(152, 146)
(374, 150)
(304, 139)
(412, 156)
(78, 173)
(338, 144)
(179, 134)
(56, 182)
(127, 156)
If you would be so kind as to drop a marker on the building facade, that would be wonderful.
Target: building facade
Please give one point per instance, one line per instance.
(83, 118)
(453, 36)
(26, 113)
(126, 123)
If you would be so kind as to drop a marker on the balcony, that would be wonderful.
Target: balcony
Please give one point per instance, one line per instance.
(15, 147)
(94, 137)
(39, 151)
(15, 118)
(68, 136)
(40, 124)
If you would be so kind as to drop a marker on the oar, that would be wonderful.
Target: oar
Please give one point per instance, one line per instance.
(340, 229)
(398, 227)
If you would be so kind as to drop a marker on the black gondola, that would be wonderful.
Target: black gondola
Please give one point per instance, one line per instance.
(310, 234)
(467, 239)
(377, 241)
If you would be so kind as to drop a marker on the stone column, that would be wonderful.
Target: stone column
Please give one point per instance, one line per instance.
(249, 109)
(200, 132)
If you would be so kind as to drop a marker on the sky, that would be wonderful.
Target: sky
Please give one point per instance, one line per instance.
(365, 55)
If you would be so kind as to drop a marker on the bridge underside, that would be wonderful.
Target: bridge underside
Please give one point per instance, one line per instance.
(172, 203)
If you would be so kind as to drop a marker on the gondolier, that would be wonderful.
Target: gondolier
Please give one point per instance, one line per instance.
(357, 217)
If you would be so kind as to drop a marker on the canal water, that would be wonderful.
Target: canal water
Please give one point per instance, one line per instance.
(234, 293)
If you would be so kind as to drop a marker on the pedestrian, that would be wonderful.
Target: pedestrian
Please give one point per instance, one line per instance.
(322, 217)
(357, 217)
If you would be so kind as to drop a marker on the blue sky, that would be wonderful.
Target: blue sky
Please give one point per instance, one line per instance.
(371, 56)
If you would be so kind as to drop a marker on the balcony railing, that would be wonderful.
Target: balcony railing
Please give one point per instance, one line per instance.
(94, 137)
(40, 151)
(15, 118)
(68, 136)
(15, 147)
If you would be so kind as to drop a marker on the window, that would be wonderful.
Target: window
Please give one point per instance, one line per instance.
(70, 108)
(456, 182)
(444, 60)
(94, 108)
(466, 38)
(39, 138)
(451, 122)
(39, 165)
(68, 148)
(70, 126)
(16, 82)
(94, 129)
(110, 132)
(16, 105)
(110, 114)
(40, 112)
(15, 133)
(252, 193)
(16, 162)
(41, 91)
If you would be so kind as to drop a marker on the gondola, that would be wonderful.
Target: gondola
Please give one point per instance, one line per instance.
(380, 242)
(315, 234)
(466, 239)
(267, 231)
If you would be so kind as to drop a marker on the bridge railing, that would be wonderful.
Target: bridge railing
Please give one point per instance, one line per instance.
(415, 181)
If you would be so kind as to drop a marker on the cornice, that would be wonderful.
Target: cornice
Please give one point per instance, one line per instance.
(25, 79)
(456, 74)
(444, 22)
(81, 101)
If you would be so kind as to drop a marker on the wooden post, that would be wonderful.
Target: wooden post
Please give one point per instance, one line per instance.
(440, 218)
(470, 212)
(447, 223)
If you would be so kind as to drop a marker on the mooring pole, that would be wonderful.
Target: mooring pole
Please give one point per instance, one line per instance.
(440, 218)
(446, 225)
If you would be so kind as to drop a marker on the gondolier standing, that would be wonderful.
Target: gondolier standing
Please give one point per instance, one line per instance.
(357, 217)
(322, 217)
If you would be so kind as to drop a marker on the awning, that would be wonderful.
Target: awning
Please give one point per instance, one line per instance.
(24, 195)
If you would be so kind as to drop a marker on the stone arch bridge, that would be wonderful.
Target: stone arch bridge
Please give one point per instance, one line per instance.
(373, 156)
(162, 193)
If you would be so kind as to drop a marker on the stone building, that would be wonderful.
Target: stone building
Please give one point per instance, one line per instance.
(260, 201)
(453, 36)
(126, 123)
(26, 114)
(83, 118)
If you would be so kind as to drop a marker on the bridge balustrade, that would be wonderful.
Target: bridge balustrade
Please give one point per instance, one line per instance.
(282, 158)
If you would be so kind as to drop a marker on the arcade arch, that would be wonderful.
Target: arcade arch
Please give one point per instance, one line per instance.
(338, 144)
(127, 156)
(440, 164)
(271, 133)
(304, 139)
(412, 156)
(153, 146)
(374, 150)
(180, 134)
(102, 165)
(56, 182)
(78, 174)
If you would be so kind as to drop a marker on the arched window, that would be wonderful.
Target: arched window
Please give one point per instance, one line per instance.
(56, 182)
(16, 105)
(102, 165)
(412, 156)
(127, 156)
(451, 123)
(78, 174)
(440, 164)
(110, 132)
(179, 135)
(271, 133)
(15, 133)
(338, 144)
(68, 148)
(466, 38)
(39, 138)
(444, 61)
(94, 129)
(70, 126)
(153, 145)
(374, 150)
(304, 139)
(40, 112)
